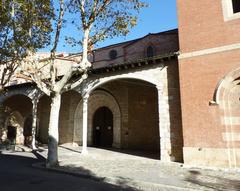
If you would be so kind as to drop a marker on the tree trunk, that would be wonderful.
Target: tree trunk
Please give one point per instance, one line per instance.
(34, 124)
(53, 134)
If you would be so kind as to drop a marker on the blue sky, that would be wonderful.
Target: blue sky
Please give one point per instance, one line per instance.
(160, 16)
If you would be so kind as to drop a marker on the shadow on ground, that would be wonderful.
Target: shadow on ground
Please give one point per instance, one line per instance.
(139, 153)
(67, 148)
(17, 167)
(121, 182)
(212, 182)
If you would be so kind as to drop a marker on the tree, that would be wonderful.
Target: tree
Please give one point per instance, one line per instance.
(96, 21)
(25, 26)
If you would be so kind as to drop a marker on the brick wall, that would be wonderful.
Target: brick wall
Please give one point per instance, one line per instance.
(162, 44)
(202, 25)
(199, 77)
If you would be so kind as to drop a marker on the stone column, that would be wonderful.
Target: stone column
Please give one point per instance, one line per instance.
(85, 123)
(34, 122)
(164, 125)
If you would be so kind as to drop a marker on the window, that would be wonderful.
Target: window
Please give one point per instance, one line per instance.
(150, 51)
(236, 6)
(231, 9)
(113, 54)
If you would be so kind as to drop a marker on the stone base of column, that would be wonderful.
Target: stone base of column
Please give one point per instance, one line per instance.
(84, 151)
(166, 150)
(165, 156)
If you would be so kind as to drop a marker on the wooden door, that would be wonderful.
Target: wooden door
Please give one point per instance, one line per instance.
(103, 127)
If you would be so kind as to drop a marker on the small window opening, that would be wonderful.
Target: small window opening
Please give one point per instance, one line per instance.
(150, 51)
(113, 54)
(236, 6)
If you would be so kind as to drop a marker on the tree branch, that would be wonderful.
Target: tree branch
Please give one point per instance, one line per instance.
(55, 43)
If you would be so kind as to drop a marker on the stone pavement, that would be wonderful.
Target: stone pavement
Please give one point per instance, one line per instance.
(142, 173)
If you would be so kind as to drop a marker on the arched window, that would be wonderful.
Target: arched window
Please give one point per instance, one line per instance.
(150, 51)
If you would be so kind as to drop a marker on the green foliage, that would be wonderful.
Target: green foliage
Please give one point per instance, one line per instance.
(104, 18)
(24, 26)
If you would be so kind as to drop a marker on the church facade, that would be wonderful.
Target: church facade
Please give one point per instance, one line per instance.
(130, 101)
(174, 93)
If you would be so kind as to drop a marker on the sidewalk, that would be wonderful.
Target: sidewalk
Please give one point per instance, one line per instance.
(141, 173)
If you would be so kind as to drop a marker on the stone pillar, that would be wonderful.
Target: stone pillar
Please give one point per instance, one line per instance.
(164, 125)
(34, 122)
(85, 123)
(2, 120)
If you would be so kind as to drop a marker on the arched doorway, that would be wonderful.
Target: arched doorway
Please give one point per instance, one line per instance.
(103, 127)
(14, 128)
(17, 108)
(98, 99)
(11, 133)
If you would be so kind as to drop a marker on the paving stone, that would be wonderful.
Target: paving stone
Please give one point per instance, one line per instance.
(144, 173)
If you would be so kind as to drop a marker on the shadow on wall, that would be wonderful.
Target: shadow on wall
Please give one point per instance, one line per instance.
(43, 116)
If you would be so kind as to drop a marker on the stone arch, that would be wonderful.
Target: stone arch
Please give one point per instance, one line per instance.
(15, 119)
(18, 102)
(227, 96)
(224, 84)
(98, 98)
(136, 76)
(28, 91)
(18, 107)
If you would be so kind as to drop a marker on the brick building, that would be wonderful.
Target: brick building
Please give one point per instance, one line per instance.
(175, 93)
(209, 61)
(130, 101)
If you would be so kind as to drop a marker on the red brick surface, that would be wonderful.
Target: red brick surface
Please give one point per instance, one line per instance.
(202, 25)
(199, 77)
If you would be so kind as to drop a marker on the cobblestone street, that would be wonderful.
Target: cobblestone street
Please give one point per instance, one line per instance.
(143, 173)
